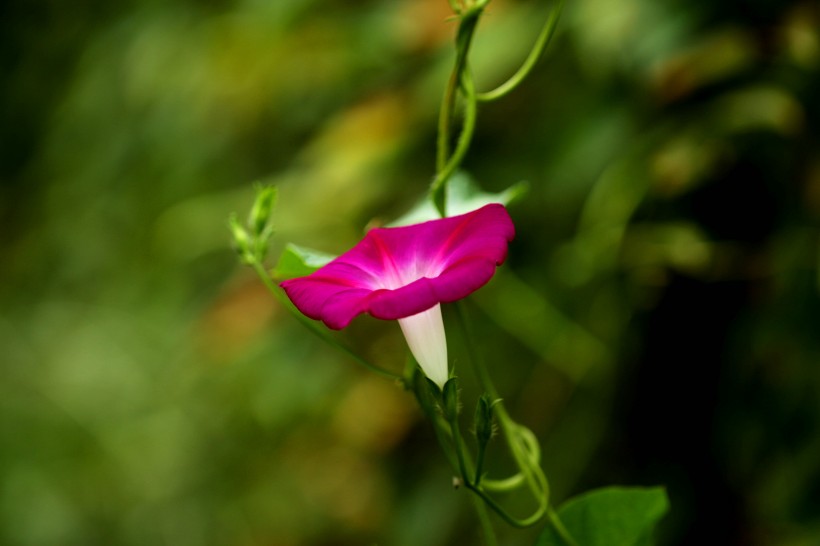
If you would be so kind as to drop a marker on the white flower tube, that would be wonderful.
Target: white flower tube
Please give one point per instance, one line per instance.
(424, 333)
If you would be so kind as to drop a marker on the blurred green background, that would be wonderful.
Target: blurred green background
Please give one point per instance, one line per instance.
(656, 322)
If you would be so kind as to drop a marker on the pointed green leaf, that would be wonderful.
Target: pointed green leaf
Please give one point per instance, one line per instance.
(612, 516)
(297, 261)
(463, 195)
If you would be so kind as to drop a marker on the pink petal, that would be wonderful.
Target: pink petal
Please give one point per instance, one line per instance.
(397, 272)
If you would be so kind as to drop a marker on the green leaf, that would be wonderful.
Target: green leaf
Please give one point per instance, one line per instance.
(297, 261)
(612, 516)
(463, 195)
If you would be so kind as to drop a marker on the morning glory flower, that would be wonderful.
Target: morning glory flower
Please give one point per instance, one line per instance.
(405, 273)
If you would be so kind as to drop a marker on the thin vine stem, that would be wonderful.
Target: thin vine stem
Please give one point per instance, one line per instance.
(438, 188)
(464, 37)
(441, 430)
(449, 436)
(446, 163)
(479, 466)
(461, 80)
(458, 440)
(464, 466)
(507, 484)
(529, 467)
(486, 524)
(532, 59)
(521, 523)
(558, 525)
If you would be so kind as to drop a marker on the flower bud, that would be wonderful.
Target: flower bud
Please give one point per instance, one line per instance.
(261, 211)
(241, 240)
(484, 419)
(449, 396)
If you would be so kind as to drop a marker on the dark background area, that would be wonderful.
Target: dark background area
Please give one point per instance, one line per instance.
(656, 322)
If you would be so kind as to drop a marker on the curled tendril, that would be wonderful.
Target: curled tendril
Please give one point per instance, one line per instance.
(532, 59)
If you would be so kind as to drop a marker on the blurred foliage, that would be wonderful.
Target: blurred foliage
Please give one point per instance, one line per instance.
(656, 322)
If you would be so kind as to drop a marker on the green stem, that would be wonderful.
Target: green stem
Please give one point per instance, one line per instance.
(466, 471)
(507, 484)
(479, 465)
(445, 163)
(313, 327)
(486, 524)
(522, 454)
(521, 523)
(443, 434)
(562, 531)
(448, 434)
(532, 59)
(464, 38)
(438, 188)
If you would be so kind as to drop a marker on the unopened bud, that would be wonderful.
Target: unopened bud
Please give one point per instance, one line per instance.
(484, 419)
(259, 218)
(241, 240)
(449, 396)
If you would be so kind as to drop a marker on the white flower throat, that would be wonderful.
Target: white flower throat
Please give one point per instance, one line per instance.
(424, 333)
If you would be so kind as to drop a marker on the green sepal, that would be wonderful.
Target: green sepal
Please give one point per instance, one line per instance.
(484, 427)
(427, 392)
(449, 395)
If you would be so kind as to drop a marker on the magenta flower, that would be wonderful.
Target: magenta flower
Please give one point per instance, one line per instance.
(405, 273)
